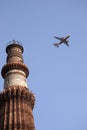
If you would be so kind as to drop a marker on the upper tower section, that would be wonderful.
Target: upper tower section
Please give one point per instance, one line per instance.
(14, 51)
(14, 71)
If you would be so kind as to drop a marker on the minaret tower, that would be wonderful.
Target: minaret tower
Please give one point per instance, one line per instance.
(16, 101)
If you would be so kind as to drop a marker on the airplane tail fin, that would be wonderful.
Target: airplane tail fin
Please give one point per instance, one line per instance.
(56, 45)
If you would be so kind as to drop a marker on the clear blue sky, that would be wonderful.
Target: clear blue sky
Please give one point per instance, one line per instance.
(58, 77)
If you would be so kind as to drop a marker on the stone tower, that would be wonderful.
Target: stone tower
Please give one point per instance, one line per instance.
(16, 101)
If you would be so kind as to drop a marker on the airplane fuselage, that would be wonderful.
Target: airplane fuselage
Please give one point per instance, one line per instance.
(62, 40)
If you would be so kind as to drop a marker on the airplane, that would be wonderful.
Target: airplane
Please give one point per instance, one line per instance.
(62, 40)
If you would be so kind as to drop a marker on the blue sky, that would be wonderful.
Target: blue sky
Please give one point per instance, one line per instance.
(58, 77)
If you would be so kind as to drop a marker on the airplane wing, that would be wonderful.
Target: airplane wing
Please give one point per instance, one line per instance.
(67, 43)
(58, 38)
(66, 37)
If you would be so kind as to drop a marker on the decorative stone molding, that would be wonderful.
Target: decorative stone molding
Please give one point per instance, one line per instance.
(10, 66)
